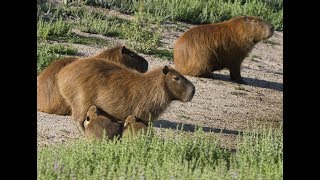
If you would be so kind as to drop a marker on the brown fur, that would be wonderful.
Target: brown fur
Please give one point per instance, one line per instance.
(120, 91)
(133, 126)
(211, 47)
(49, 99)
(96, 125)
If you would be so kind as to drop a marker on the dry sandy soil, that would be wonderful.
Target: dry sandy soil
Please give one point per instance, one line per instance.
(221, 107)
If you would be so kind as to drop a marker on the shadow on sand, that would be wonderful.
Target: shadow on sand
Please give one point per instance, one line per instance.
(253, 82)
(191, 127)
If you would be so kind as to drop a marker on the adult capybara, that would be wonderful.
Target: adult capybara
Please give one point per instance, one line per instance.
(211, 47)
(133, 126)
(127, 58)
(49, 99)
(120, 91)
(98, 126)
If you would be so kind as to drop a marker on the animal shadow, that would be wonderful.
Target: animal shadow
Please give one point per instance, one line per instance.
(191, 127)
(253, 82)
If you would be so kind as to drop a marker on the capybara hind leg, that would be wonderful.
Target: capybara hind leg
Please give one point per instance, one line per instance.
(236, 75)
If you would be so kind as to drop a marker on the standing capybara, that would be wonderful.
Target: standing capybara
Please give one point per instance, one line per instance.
(133, 126)
(211, 47)
(120, 91)
(49, 99)
(98, 126)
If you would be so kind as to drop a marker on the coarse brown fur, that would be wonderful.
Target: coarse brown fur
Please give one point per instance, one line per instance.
(49, 99)
(120, 91)
(134, 126)
(207, 48)
(98, 126)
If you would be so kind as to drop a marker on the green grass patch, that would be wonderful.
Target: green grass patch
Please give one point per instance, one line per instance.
(271, 42)
(144, 33)
(52, 28)
(201, 11)
(259, 155)
(162, 53)
(77, 39)
(47, 53)
(97, 25)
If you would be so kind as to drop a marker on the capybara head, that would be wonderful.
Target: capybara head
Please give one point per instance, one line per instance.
(125, 57)
(133, 60)
(134, 126)
(97, 125)
(256, 26)
(178, 87)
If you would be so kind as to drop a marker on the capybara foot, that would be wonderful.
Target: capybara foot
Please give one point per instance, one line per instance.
(240, 81)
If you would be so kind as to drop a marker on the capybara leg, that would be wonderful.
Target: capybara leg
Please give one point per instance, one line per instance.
(80, 126)
(235, 74)
(79, 117)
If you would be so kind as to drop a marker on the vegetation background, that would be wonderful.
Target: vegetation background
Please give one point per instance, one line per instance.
(173, 155)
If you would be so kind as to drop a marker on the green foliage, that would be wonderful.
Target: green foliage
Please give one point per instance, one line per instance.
(99, 24)
(47, 53)
(164, 54)
(50, 29)
(178, 156)
(144, 33)
(201, 11)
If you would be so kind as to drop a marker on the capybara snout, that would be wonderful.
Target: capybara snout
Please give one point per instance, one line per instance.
(180, 87)
(257, 24)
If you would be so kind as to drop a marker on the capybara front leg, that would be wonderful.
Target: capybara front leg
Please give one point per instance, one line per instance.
(236, 75)
(79, 117)
(80, 126)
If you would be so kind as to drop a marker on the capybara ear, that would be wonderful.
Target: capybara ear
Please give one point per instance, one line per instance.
(130, 119)
(123, 50)
(165, 70)
(92, 113)
(245, 18)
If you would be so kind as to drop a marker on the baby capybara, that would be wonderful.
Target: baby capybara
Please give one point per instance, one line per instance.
(49, 99)
(98, 126)
(134, 126)
(120, 91)
(207, 48)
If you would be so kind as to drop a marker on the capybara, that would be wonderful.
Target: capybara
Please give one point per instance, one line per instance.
(49, 99)
(120, 91)
(98, 126)
(127, 58)
(207, 48)
(133, 126)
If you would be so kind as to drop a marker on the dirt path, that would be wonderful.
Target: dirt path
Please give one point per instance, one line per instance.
(219, 105)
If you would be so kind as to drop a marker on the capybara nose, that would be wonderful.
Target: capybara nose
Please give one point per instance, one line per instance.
(145, 65)
(272, 28)
(193, 91)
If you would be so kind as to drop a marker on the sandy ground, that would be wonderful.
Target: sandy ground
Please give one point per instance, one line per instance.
(220, 106)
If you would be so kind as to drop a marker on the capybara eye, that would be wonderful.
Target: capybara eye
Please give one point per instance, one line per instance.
(176, 78)
(88, 119)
